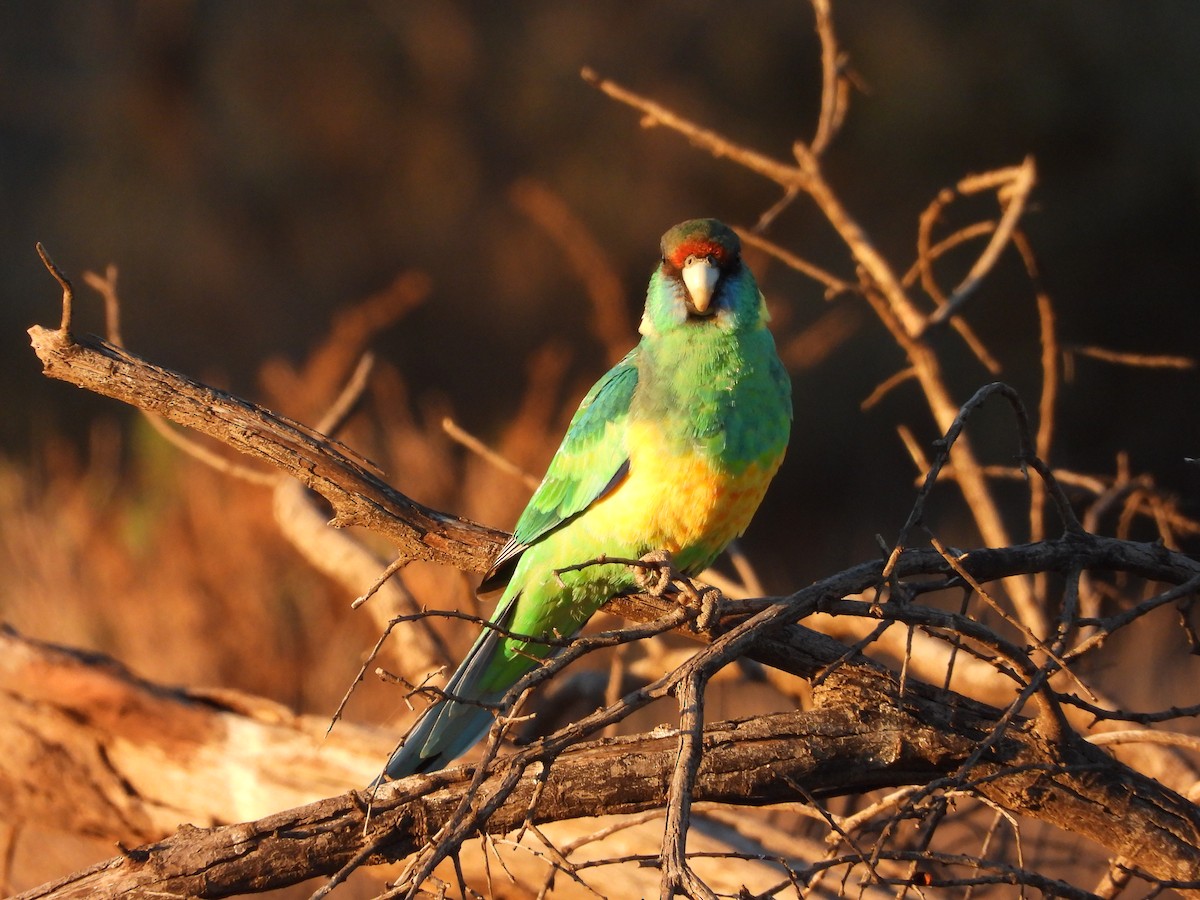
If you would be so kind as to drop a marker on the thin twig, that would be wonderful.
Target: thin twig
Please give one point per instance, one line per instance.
(834, 86)
(928, 252)
(677, 875)
(68, 291)
(1145, 736)
(106, 287)
(1014, 186)
(1141, 360)
(479, 448)
(657, 114)
(833, 285)
(956, 564)
(885, 387)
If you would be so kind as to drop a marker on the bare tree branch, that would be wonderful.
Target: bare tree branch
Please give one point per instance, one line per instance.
(358, 496)
(859, 736)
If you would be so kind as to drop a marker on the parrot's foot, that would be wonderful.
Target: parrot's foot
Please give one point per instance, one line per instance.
(656, 575)
(711, 604)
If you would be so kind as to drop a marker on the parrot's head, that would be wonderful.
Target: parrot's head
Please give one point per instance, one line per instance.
(702, 282)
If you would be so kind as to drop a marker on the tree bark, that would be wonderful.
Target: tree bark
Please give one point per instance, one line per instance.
(358, 496)
(861, 735)
(91, 748)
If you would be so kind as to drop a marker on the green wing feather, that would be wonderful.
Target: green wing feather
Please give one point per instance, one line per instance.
(592, 459)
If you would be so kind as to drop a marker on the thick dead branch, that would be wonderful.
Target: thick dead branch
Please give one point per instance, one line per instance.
(861, 735)
(358, 496)
(838, 749)
(747, 762)
(91, 748)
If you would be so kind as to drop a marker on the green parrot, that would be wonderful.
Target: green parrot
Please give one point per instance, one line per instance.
(671, 450)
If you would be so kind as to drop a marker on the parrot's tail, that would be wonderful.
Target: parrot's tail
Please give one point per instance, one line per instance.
(446, 731)
(449, 728)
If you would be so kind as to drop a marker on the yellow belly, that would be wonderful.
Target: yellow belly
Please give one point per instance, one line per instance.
(679, 502)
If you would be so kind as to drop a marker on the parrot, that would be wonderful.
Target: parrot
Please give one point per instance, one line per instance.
(671, 450)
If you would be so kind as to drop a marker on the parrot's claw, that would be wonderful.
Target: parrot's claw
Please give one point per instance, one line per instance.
(712, 607)
(655, 573)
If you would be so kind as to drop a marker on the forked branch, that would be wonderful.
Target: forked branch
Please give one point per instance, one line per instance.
(358, 496)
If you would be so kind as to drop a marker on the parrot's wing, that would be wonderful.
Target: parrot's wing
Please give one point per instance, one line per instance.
(592, 459)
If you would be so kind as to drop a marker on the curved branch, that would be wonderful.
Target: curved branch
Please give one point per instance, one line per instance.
(857, 738)
(358, 496)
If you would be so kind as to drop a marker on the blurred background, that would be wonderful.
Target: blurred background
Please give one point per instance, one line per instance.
(255, 169)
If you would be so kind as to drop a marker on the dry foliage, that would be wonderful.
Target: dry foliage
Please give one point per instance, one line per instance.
(937, 721)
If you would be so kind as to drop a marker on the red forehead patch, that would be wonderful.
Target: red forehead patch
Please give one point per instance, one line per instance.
(697, 246)
(700, 237)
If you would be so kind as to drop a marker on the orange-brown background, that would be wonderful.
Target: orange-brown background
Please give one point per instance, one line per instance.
(253, 168)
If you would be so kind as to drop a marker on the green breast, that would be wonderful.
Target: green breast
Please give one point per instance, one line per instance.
(725, 395)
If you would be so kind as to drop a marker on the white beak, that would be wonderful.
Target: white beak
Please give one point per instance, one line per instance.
(700, 276)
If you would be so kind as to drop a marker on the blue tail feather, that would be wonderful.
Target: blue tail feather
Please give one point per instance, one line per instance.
(449, 728)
